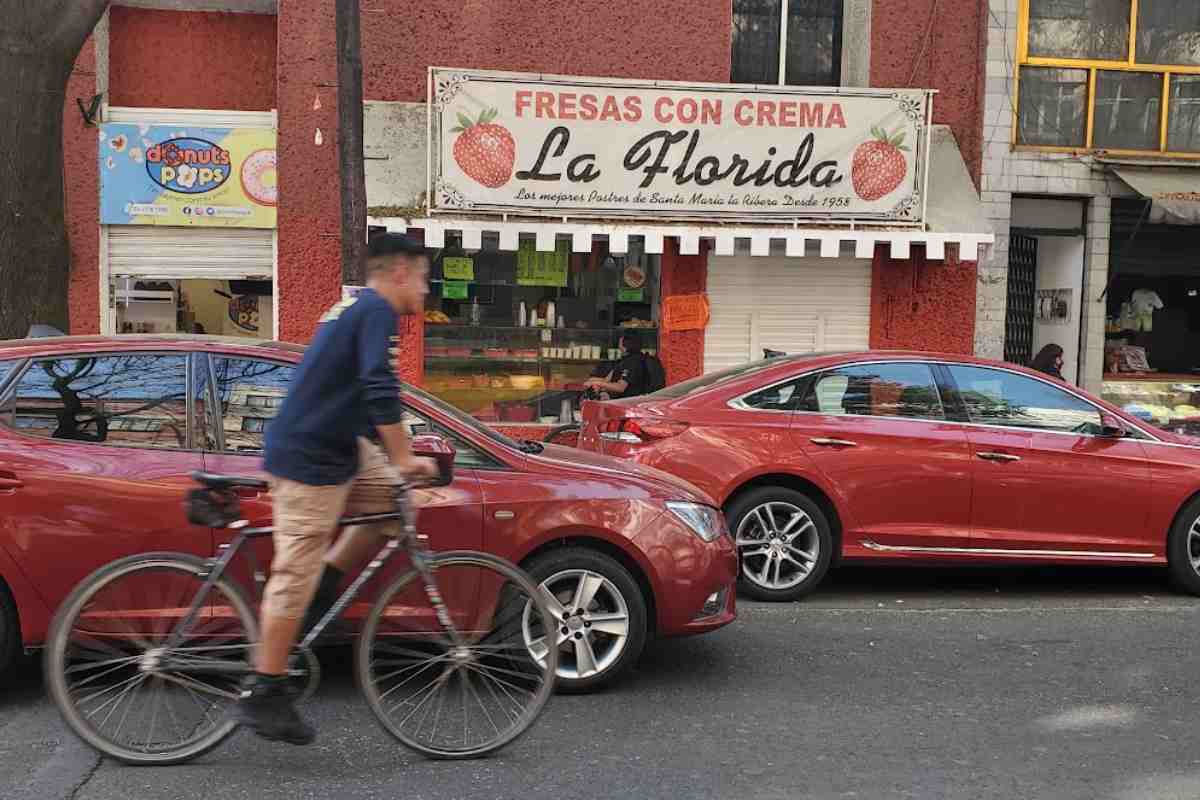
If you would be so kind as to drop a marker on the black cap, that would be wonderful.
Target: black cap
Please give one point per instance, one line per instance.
(390, 244)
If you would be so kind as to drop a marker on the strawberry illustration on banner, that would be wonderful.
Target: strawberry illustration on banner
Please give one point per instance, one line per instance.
(879, 165)
(484, 150)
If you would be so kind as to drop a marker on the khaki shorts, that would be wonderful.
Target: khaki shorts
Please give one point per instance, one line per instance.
(306, 520)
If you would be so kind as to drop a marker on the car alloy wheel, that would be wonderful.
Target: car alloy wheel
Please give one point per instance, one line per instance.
(593, 620)
(778, 545)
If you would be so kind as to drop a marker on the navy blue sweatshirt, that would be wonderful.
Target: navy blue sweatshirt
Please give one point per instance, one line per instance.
(344, 388)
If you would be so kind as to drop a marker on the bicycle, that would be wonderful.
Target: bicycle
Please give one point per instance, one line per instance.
(471, 640)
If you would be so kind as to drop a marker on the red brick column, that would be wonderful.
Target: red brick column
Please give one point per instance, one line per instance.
(918, 304)
(81, 179)
(682, 352)
(310, 272)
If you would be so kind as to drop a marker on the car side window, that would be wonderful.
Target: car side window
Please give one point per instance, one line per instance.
(781, 397)
(996, 397)
(876, 390)
(466, 455)
(250, 392)
(134, 399)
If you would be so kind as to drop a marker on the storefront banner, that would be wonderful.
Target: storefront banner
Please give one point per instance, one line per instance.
(504, 142)
(167, 175)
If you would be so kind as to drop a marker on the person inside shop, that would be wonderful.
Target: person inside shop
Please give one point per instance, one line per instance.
(1049, 360)
(337, 444)
(633, 375)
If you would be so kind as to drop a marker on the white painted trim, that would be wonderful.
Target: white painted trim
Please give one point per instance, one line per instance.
(275, 285)
(193, 117)
(830, 241)
(107, 321)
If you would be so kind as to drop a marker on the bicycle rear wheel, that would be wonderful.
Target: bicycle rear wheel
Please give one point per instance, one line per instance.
(463, 699)
(116, 684)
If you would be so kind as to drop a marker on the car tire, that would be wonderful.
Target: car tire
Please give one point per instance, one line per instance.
(614, 594)
(10, 631)
(774, 570)
(1183, 554)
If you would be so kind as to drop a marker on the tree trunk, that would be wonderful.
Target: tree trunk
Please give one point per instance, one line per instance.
(39, 42)
(350, 142)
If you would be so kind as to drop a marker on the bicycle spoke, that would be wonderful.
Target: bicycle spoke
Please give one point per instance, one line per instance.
(500, 686)
(199, 686)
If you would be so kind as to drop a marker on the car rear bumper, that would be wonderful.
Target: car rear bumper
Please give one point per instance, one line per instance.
(689, 571)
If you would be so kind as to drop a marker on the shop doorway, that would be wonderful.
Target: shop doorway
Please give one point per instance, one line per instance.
(189, 280)
(202, 306)
(1045, 285)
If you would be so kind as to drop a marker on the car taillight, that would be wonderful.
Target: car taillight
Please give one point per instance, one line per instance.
(639, 431)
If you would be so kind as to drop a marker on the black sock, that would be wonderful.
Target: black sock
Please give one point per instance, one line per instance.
(323, 600)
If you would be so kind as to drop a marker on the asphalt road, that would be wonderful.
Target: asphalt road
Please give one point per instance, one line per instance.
(888, 684)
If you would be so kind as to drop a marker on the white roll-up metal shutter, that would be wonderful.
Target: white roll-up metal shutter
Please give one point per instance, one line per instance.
(148, 251)
(797, 305)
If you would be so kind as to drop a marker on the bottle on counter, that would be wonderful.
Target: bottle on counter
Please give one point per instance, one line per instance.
(476, 311)
(550, 314)
(521, 316)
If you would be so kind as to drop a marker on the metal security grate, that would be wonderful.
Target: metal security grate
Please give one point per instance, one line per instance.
(1018, 316)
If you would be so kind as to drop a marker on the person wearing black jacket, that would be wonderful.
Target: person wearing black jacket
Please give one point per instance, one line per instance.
(628, 376)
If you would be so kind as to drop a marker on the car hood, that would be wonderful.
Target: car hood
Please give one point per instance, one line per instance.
(658, 483)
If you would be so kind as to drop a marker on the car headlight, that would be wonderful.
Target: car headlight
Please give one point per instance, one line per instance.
(705, 521)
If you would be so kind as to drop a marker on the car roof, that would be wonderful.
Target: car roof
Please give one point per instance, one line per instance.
(52, 345)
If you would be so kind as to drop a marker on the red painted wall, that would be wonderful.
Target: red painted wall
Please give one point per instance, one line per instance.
(629, 38)
(682, 352)
(81, 176)
(310, 275)
(157, 59)
(912, 48)
(922, 305)
(175, 59)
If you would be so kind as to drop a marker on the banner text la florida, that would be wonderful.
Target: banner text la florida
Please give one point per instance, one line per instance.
(654, 153)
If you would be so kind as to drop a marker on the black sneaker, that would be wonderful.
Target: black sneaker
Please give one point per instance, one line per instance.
(266, 706)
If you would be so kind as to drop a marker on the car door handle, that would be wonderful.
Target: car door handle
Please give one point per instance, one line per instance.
(988, 456)
(9, 480)
(822, 442)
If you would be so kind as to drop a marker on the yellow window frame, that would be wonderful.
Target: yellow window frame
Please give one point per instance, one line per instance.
(1130, 64)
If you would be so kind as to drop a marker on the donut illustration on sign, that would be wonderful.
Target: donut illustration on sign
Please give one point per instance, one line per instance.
(258, 178)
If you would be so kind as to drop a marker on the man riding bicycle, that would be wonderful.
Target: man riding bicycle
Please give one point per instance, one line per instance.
(324, 455)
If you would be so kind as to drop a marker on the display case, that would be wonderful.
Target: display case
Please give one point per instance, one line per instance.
(1165, 400)
(512, 336)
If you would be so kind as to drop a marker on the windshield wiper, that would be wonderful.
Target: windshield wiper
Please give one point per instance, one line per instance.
(530, 446)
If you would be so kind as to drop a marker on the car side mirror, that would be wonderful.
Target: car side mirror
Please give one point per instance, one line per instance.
(1112, 428)
(427, 445)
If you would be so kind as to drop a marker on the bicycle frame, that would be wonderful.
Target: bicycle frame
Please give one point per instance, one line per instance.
(412, 542)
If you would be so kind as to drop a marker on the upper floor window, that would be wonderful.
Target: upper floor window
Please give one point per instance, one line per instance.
(1120, 75)
(793, 42)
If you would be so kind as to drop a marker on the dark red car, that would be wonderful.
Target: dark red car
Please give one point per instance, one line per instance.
(98, 437)
(890, 456)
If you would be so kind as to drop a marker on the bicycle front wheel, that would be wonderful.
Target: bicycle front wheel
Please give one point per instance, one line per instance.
(115, 681)
(468, 695)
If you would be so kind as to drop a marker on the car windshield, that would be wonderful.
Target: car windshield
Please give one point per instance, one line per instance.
(470, 422)
(720, 376)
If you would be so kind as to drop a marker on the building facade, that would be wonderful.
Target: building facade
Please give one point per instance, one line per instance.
(1090, 179)
(188, 73)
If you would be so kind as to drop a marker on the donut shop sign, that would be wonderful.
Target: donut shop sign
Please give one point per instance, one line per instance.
(186, 175)
(578, 147)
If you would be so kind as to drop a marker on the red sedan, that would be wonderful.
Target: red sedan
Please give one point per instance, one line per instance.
(911, 456)
(98, 437)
